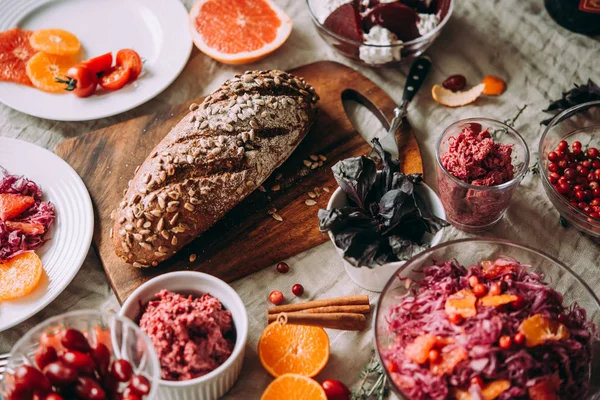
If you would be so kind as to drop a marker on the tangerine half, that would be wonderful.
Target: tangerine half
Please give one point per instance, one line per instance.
(294, 387)
(55, 41)
(20, 275)
(43, 69)
(15, 51)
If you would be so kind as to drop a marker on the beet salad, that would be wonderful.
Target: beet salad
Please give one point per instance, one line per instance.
(494, 330)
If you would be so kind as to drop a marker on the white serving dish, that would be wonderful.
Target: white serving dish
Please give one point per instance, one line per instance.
(215, 384)
(375, 279)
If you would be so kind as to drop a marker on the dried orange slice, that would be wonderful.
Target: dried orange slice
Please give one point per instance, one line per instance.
(15, 51)
(449, 98)
(43, 69)
(461, 303)
(418, 351)
(494, 86)
(293, 349)
(539, 329)
(55, 41)
(449, 358)
(489, 392)
(20, 275)
(498, 300)
(238, 31)
(294, 387)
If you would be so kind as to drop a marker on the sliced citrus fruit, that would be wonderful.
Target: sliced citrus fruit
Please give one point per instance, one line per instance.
(494, 269)
(12, 205)
(294, 387)
(489, 392)
(418, 351)
(498, 300)
(238, 31)
(456, 99)
(20, 275)
(30, 229)
(15, 51)
(539, 329)
(293, 349)
(55, 41)
(449, 358)
(461, 303)
(494, 86)
(43, 69)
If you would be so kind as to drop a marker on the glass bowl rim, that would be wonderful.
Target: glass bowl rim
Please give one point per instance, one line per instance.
(466, 185)
(558, 118)
(105, 314)
(419, 40)
(455, 242)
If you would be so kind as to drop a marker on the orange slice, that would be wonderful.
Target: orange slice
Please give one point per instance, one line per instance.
(489, 392)
(545, 389)
(539, 329)
(12, 205)
(238, 31)
(43, 69)
(418, 351)
(461, 303)
(294, 387)
(20, 275)
(293, 349)
(494, 86)
(498, 300)
(449, 358)
(15, 51)
(55, 41)
(449, 98)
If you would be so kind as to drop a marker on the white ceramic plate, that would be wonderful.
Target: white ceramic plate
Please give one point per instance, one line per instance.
(156, 29)
(70, 235)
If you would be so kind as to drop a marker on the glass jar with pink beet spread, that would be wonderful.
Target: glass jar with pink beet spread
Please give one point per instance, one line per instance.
(480, 163)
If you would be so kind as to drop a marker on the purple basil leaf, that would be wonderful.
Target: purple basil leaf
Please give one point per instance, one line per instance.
(405, 249)
(356, 177)
(432, 223)
(393, 207)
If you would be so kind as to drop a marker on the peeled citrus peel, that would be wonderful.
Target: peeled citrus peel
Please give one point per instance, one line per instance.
(494, 86)
(539, 329)
(449, 98)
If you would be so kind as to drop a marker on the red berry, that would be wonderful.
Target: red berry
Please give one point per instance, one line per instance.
(553, 167)
(433, 355)
(89, 389)
(519, 338)
(283, 268)
(579, 195)
(391, 367)
(101, 356)
(53, 396)
(45, 355)
(72, 339)
(455, 318)
(596, 164)
(563, 188)
(455, 83)
(576, 145)
(27, 377)
(298, 289)
(505, 342)
(479, 290)
(335, 390)
(121, 370)
(592, 152)
(570, 173)
(584, 171)
(477, 381)
(276, 297)
(586, 164)
(552, 156)
(563, 146)
(495, 289)
(139, 385)
(82, 362)
(518, 303)
(60, 374)
(473, 280)
(562, 164)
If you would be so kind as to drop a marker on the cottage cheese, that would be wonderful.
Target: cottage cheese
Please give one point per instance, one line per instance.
(427, 23)
(380, 55)
(323, 8)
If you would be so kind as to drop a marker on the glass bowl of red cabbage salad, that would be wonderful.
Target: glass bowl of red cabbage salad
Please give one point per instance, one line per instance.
(488, 319)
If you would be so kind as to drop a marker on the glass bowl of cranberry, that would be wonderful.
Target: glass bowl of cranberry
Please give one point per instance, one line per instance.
(379, 33)
(85, 355)
(569, 152)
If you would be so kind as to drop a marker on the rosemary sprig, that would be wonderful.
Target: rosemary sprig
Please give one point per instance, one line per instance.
(374, 384)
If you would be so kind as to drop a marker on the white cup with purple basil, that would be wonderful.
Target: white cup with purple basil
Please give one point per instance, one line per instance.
(480, 164)
(379, 219)
(198, 325)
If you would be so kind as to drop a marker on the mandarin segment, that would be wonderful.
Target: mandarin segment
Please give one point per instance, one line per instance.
(538, 329)
(449, 358)
(55, 41)
(15, 51)
(294, 387)
(461, 303)
(418, 351)
(490, 391)
(298, 349)
(494, 86)
(43, 69)
(20, 275)
(498, 300)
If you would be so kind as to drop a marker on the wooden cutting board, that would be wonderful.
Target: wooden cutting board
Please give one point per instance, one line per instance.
(248, 238)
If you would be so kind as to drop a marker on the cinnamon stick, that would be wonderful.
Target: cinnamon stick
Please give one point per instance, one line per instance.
(337, 301)
(358, 309)
(341, 321)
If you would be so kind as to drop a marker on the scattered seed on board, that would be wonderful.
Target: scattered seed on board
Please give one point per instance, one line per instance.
(275, 188)
(325, 189)
(314, 166)
(277, 217)
(193, 107)
(310, 202)
(314, 158)
(262, 189)
(192, 257)
(312, 195)
(307, 163)
(272, 211)
(322, 157)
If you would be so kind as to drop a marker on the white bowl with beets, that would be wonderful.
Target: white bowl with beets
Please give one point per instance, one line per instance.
(82, 354)
(375, 279)
(217, 382)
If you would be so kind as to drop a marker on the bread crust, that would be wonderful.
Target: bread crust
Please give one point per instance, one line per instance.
(218, 154)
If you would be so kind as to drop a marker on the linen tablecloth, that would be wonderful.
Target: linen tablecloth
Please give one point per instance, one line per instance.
(514, 39)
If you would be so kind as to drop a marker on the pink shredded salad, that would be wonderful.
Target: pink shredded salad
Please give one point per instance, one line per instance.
(528, 368)
(15, 241)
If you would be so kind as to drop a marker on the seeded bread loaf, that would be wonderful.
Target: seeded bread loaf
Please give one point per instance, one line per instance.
(213, 158)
